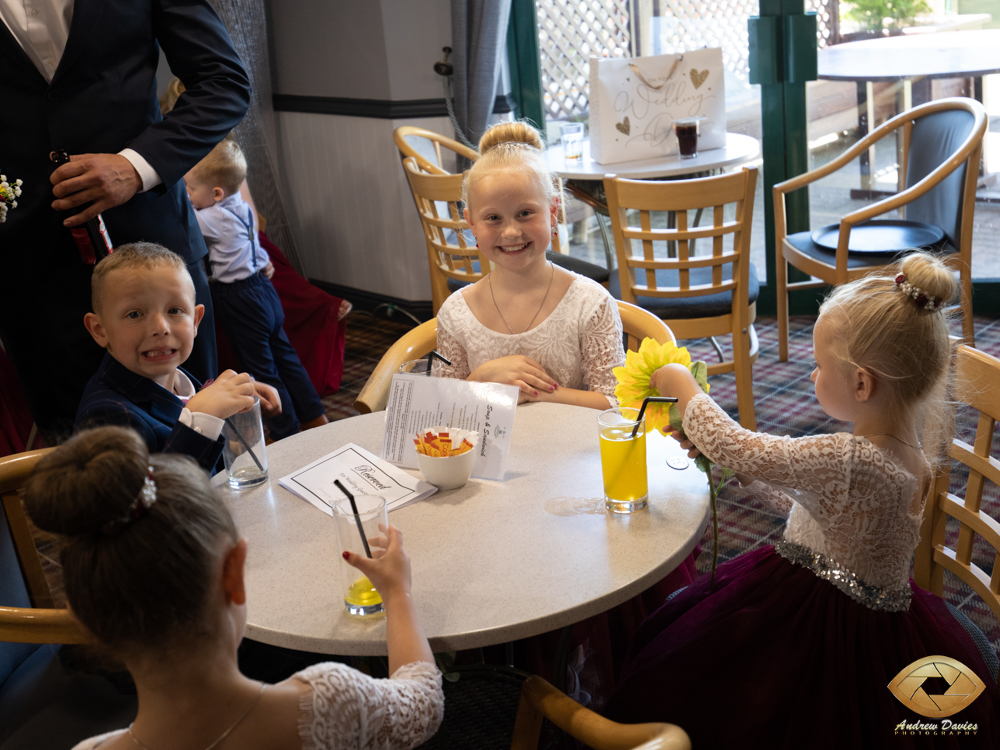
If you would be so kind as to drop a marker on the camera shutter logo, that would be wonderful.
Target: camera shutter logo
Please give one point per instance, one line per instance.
(921, 686)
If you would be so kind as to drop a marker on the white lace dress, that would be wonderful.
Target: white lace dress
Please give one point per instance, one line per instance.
(578, 345)
(347, 709)
(845, 499)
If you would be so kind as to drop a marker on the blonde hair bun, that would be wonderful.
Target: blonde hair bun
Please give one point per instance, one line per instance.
(510, 132)
(930, 275)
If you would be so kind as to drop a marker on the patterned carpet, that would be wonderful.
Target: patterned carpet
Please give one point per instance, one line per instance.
(785, 405)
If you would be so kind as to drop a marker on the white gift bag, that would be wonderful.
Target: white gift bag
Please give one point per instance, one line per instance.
(634, 102)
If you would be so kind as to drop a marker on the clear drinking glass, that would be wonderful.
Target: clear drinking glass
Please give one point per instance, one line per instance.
(360, 596)
(623, 459)
(687, 137)
(420, 367)
(572, 140)
(243, 452)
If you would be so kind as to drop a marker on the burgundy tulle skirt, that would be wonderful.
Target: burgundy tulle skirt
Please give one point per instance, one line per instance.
(776, 657)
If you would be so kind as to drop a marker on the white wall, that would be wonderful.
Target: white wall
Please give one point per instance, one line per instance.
(349, 204)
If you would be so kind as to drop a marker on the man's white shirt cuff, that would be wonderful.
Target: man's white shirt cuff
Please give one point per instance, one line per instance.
(149, 176)
(203, 424)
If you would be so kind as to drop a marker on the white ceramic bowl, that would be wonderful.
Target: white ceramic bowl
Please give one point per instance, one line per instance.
(452, 472)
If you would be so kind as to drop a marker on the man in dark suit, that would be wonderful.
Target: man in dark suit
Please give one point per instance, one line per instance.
(97, 100)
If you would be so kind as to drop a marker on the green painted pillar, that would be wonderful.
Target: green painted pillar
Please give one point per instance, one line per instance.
(782, 59)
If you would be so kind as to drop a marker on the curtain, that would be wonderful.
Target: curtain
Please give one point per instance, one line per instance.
(479, 39)
(246, 21)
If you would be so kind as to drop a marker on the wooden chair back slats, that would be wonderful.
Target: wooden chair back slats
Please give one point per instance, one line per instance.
(978, 379)
(722, 248)
(449, 253)
(40, 623)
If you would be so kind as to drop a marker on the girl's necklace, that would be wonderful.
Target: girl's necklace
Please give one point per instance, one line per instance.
(225, 734)
(551, 276)
(889, 434)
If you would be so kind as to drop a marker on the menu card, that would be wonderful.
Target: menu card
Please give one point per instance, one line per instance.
(361, 473)
(417, 402)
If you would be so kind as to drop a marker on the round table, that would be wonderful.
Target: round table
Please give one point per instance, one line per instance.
(739, 149)
(492, 561)
(951, 54)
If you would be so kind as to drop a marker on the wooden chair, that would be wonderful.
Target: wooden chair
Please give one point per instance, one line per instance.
(449, 253)
(978, 378)
(698, 296)
(941, 147)
(539, 700)
(39, 623)
(425, 147)
(636, 322)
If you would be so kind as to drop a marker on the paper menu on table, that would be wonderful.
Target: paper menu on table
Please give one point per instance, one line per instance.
(417, 402)
(361, 473)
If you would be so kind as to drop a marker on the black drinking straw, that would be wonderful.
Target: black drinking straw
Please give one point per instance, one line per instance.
(239, 436)
(430, 360)
(357, 518)
(645, 402)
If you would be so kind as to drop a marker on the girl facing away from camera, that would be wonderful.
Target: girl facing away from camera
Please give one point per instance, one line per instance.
(154, 571)
(554, 334)
(796, 643)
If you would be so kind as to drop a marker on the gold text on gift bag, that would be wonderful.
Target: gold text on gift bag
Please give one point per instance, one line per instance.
(936, 686)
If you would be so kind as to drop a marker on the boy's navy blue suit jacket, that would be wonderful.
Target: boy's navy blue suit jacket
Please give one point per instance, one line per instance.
(118, 396)
(102, 99)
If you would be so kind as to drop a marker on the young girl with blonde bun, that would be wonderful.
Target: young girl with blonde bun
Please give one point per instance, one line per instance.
(154, 571)
(796, 643)
(554, 334)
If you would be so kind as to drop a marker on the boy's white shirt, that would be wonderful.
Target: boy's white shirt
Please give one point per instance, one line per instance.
(203, 424)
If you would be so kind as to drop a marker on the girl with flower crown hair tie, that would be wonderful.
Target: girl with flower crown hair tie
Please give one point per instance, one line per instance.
(554, 334)
(803, 638)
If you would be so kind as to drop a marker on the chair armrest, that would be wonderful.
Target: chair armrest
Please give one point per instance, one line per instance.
(415, 344)
(20, 625)
(539, 698)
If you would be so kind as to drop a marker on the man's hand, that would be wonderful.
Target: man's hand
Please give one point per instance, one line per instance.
(103, 180)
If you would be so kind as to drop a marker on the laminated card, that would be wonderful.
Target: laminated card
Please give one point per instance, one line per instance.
(417, 402)
(361, 473)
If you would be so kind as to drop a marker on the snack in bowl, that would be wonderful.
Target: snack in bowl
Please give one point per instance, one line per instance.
(446, 456)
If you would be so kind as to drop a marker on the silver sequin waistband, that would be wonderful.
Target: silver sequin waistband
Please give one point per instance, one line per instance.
(873, 597)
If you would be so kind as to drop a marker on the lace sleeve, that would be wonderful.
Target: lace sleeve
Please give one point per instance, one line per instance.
(449, 347)
(815, 469)
(347, 709)
(601, 349)
(771, 496)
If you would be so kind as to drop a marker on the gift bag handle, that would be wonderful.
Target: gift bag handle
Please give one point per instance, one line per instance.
(635, 69)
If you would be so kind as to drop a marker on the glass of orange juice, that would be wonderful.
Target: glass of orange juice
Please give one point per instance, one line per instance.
(360, 596)
(623, 459)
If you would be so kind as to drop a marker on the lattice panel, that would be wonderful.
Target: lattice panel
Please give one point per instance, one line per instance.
(571, 31)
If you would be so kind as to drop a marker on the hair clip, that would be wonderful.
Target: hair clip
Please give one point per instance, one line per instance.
(137, 509)
(919, 296)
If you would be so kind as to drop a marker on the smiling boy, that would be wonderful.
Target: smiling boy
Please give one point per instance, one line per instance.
(146, 318)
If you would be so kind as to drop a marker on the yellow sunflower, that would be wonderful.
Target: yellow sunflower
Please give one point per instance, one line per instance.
(633, 378)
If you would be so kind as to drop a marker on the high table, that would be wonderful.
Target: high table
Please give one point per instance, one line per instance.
(585, 176)
(492, 561)
(952, 54)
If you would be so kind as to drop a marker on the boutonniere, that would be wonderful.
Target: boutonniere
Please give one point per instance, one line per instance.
(8, 196)
(634, 387)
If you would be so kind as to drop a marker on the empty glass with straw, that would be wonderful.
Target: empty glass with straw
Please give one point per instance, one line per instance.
(356, 521)
(243, 451)
(431, 365)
